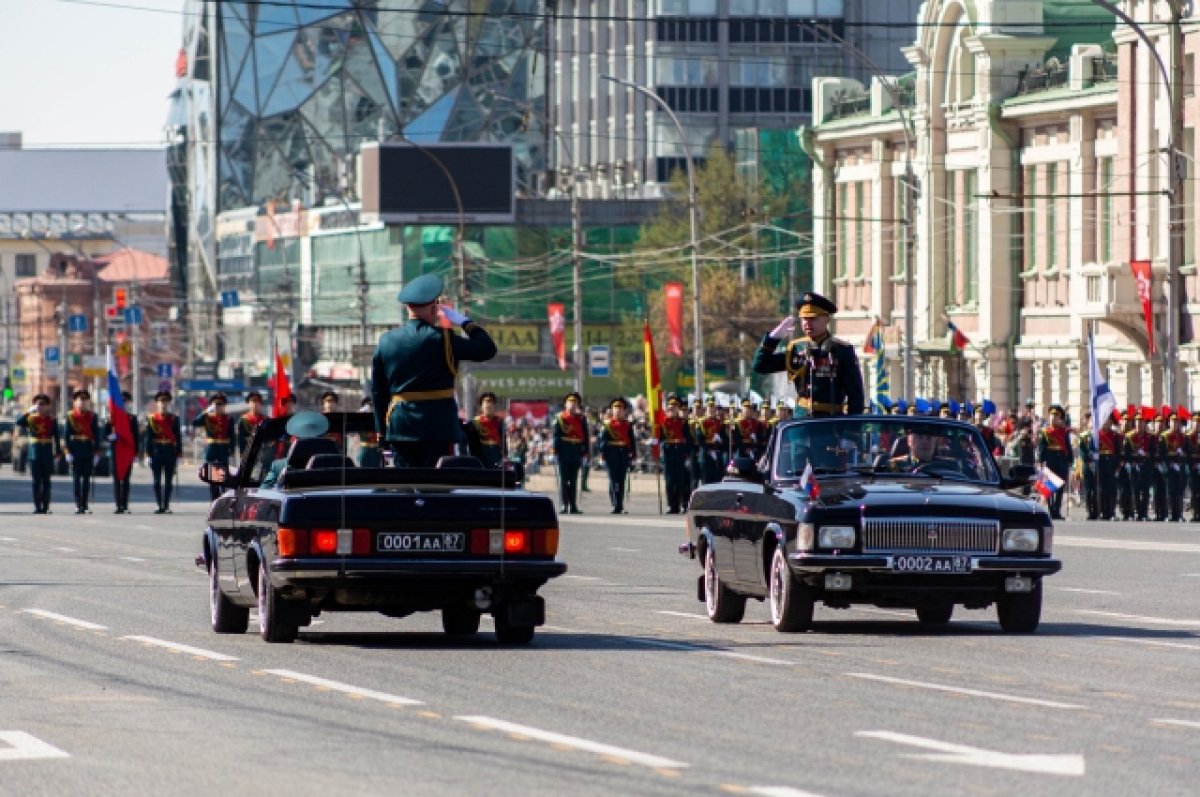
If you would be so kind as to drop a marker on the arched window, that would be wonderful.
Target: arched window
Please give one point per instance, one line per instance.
(960, 68)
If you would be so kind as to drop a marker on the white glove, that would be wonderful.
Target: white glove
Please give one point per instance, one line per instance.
(95, 460)
(453, 316)
(70, 457)
(784, 330)
(112, 437)
(716, 438)
(32, 409)
(653, 441)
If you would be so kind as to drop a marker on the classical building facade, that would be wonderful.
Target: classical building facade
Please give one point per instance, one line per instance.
(1019, 170)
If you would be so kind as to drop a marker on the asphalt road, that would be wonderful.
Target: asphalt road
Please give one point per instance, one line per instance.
(112, 683)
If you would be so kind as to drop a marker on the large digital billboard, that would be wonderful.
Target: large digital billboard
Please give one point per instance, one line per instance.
(407, 183)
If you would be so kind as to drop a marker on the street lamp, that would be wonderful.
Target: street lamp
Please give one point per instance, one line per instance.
(698, 337)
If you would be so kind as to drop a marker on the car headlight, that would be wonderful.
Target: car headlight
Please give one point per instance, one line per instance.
(1023, 540)
(836, 537)
(804, 536)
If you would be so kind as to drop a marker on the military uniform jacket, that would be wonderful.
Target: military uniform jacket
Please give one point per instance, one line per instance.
(82, 433)
(44, 440)
(218, 434)
(1108, 443)
(133, 430)
(708, 429)
(570, 429)
(1140, 448)
(486, 433)
(748, 436)
(676, 432)
(1174, 450)
(163, 435)
(245, 429)
(825, 373)
(412, 377)
(1054, 445)
(616, 436)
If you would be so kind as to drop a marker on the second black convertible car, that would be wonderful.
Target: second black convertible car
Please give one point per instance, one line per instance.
(891, 511)
(300, 530)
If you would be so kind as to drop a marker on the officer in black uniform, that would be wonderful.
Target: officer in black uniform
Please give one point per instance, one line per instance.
(218, 437)
(164, 445)
(617, 447)
(571, 446)
(45, 446)
(823, 368)
(413, 373)
(679, 446)
(81, 431)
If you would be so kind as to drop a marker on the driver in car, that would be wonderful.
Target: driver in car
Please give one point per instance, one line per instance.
(923, 449)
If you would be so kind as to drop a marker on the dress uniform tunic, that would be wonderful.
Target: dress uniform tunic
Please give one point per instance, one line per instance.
(486, 433)
(678, 448)
(45, 446)
(1140, 453)
(164, 445)
(1108, 450)
(218, 443)
(368, 450)
(1087, 459)
(244, 430)
(1174, 454)
(1054, 451)
(570, 447)
(749, 437)
(711, 436)
(82, 432)
(617, 448)
(122, 481)
(825, 372)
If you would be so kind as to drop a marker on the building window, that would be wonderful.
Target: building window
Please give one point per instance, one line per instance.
(950, 223)
(26, 265)
(1106, 210)
(970, 238)
(901, 215)
(1031, 225)
(1093, 289)
(1189, 195)
(843, 228)
(860, 229)
(1052, 216)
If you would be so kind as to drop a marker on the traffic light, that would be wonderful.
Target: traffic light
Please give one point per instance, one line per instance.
(120, 297)
(8, 391)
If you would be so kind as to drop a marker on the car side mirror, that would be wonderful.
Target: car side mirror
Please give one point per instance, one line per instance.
(211, 473)
(745, 468)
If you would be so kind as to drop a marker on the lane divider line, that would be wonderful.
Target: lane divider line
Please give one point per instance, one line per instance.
(1083, 591)
(178, 647)
(574, 743)
(700, 649)
(1141, 619)
(347, 689)
(62, 618)
(1158, 643)
(1028, 701)
(688, 615)
(22, 747)
(1180, 723)
(781, 791)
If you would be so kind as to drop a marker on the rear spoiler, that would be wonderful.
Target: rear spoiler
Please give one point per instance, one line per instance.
(362, 477)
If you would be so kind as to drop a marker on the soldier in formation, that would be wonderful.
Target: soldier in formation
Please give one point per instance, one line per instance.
(164, 445)
(45, 446)
(570, 438)
(81, 430)
(617, 447)
(218, 436)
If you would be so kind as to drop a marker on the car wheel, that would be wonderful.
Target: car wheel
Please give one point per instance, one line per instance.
(273, 622)
(509, 634)
(1020, 612)
(723, 604)
(935, 614)
(225, 616)
(460, 620)
(791, 601)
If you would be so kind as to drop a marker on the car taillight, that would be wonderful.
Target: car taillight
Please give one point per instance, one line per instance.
(516, 541)
(339, 542)
(545, 542)
(290, 542)
(323, 541)
(494, 542)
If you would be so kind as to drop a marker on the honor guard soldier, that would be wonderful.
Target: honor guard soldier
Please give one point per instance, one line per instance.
(413, 372)
(1140, 451)
(45, 446)
(697, 415)
(1194, 465)
(747, 433)
(249, 421)
(1174, 453)
(1125, 500)
(619, 451)
(368, 442)
(570, 447)
(1108, 462)
(218, 436)
(82, 433)
(1088, 459)
(122, 476)
(164, 446)
(678, 447)
(485, 433)
(710, 439)
(1054, 452)
(824, 369)
(330, 403)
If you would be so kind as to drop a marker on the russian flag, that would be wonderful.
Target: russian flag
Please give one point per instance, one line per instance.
(808, 483)
(124, 446)
(1048, 483)
(958, 339)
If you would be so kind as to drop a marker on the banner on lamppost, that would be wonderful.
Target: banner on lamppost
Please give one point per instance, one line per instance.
(1141, 275)
(674, 312)
(558, 332)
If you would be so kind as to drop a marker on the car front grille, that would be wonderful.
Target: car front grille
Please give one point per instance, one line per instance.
(931, 534)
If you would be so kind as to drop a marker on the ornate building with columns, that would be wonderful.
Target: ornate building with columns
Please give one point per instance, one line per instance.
(1019, 170)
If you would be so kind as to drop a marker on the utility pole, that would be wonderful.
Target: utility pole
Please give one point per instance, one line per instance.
(577, 277)
(1177, 167)
(134, 361)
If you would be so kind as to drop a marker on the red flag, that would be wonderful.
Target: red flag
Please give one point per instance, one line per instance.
(181, 65)
(1141, 275)
(124, 447)
(653, 381)
(279, 386)
(958, 340)
(558, 332)
(674, 312)
(270, 224)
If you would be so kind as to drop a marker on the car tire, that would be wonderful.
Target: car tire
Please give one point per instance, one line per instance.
(1021, 612)
(723, 604)
(791, 602)
(509, 634)
(274, 624)
(935, 614)
(460, 620)
(226, 617)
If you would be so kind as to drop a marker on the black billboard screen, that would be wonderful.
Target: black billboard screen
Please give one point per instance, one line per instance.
(407, 183)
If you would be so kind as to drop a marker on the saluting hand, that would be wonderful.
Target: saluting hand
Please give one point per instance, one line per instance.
(784, 329)
(453, 316)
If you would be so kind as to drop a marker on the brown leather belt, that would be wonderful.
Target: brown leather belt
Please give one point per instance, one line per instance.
(217, 441)
(81, 437)
(416, 396)
(819, 406)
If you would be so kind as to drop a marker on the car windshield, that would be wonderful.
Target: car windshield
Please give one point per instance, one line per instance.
(884, 446)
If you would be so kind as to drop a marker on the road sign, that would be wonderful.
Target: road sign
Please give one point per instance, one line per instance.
(598, 361)
(95, 365)
(230, 299)
(52, 354)
(18, 376)
(209, 385)
(165, 371)
(77, 323)
(133, 315)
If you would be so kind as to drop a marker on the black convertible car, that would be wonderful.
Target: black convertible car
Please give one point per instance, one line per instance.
(893, 511)
(300, 530)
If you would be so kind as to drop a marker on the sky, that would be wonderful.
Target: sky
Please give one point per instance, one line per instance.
(90, 73)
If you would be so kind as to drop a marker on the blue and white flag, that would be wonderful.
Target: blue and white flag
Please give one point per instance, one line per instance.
(1103, 400)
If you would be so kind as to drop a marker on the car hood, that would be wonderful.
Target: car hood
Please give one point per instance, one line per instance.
(923, 497)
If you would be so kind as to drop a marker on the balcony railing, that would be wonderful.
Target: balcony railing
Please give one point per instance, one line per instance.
(850, 103)
(1042, 77)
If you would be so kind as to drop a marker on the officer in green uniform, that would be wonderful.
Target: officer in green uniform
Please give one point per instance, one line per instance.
(485, 433)
(823, 368)
(249, 422)
(679, 446)
(164, 445)
(368, 448)
(81, 430)
(45, 446)
(1089, 457)
(413, 373)
(617, 447)
(218, 436)
(1054, 452)
(570, 438)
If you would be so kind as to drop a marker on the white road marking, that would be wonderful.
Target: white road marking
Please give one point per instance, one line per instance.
(22, 747)
(626, 550)
(974, 756)
(1180, 723)
(1087, 591)
(382, 697)
(1141, 619)
(144, 527)
(581, 578)
(890, 612)
(780, 791)
(131, 558)
(1029, 701)
(64, 550)
(62, 618)
(1127, 545)
(14, 539)
(181, 648)
(688, 615)
(731, 654)
(574, 742)
(649, 523)
(1158, 643)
